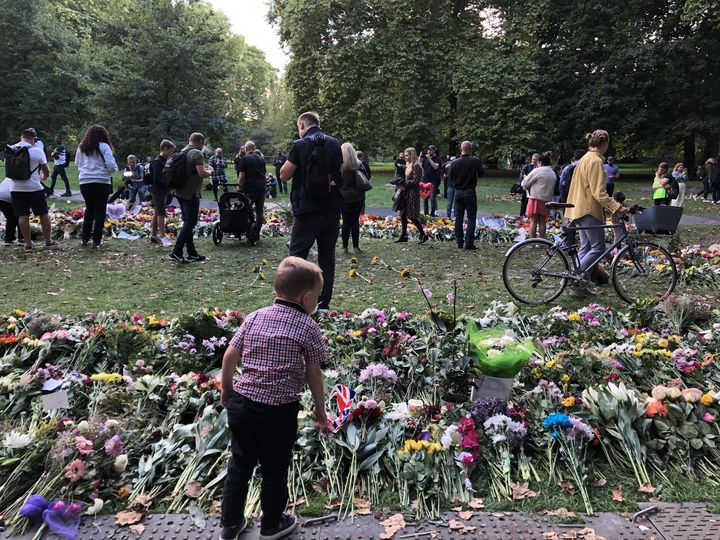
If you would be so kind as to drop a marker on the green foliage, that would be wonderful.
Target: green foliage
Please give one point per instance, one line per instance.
(147, 69)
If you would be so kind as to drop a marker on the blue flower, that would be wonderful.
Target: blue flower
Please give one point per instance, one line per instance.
(557, 421)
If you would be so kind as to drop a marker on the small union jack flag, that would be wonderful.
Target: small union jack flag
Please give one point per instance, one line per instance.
(344, 397)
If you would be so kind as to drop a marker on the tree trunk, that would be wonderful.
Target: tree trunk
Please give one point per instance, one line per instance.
(710, 148)
(689, 154)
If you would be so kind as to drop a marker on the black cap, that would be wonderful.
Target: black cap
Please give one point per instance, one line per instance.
(29, 133)
(432, 147)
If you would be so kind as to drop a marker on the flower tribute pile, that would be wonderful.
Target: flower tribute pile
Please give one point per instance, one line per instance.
(603, 394)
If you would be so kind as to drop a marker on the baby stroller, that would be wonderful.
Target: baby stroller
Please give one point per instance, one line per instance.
(237, 217)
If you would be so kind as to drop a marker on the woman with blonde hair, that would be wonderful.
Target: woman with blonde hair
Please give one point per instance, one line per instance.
(660, 184)
(588, 194)
(680, 174)
(407, 197)
(353, 197)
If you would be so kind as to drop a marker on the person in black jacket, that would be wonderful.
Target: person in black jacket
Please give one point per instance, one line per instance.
(160, 194)
(465, 171)
(353, 196)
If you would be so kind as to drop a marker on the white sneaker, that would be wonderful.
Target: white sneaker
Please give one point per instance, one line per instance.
(166, 241)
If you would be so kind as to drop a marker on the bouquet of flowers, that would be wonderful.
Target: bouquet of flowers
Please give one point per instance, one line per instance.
(498, 352)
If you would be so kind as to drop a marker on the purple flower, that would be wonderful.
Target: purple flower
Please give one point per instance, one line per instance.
(114, 446)
(378, 371)
(34, 507)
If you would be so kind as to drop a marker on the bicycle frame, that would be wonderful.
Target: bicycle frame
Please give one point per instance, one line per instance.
(608, 251)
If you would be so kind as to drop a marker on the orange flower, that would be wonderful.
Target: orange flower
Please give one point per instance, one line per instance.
(124, 492)
(655, 406)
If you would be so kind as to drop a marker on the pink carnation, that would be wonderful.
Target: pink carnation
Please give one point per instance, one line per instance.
(75, 470)
(83, 445)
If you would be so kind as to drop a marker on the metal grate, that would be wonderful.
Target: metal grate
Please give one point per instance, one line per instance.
(490, 526)
(688, 521)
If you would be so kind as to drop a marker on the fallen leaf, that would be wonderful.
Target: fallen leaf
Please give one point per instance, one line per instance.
(330, 505)
(460, 527)
(465, 515)
(560, 512)
(140, 502)
(215, 509)
(393, 524)
(476, 504)
(137, 529)
(362, 507)
(566, 486)
(552, 535)
(127, 517)
(521, 491)
(618, 494)
(599, 482)
(297, 502)
(193, 489)
(646, 488)
(589, 534)
(457, 509)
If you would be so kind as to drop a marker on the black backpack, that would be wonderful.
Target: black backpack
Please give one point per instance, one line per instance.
(17, 162)
(174, 173)
(320, 171)
(673, 188)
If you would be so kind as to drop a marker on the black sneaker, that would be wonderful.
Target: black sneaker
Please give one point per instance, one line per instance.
(177, 258)
(232, 533)
(471, 248)
(401, 239)
(196, 258)
(424, 238)
(287, 524)
(67, 194)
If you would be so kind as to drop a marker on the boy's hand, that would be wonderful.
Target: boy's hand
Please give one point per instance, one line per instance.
(321, 421)
(225, 394)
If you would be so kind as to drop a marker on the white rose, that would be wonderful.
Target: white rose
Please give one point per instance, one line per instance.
(112, 424)
(493, 353)
(95, 508)
(84, 427)
(121, 463)
(506, 340)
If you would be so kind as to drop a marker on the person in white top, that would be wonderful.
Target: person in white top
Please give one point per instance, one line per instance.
(29, 194)
(11, 220)
(539, 185)
(95, 163)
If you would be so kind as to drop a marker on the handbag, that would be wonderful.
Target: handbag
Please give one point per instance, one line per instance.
(363, 184)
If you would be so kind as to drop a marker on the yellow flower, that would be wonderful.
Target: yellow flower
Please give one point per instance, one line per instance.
(20, 313)
(266, 262)
(106, 377)
(405, 272)
(550, 364)
(565, 378)
(261, 275)
(663, 343)
(352, 272)
(356, 333)
(374, 259)
(707, 399)
(573, 317)
(568, 401)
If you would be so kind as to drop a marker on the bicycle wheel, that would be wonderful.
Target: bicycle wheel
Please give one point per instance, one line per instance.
(534, 272)
(643, 270)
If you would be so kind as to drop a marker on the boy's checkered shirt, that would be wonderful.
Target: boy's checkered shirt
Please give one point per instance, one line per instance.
(275, 345)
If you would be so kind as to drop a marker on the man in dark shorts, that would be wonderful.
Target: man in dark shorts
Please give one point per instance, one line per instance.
(29, 194)
(251, 180)
(160, 194)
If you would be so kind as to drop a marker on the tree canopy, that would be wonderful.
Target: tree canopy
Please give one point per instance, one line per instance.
(513, 76)
(146, 69)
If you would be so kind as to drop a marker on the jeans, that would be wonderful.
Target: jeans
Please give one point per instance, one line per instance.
(322, 227)
(523, 203)
(433, 200)
(265, 434)
(351, 223)
(137, 189)
(592, 242)
(610, 188)
(706, 190)
(450, 200)
(59, 169)
(96, 197)
(190, 209)
(11, 222)
(282, 184)
(716, 193)
(465, 201)
(258, 199)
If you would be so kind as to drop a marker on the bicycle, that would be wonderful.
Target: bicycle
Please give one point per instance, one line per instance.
(536, 271)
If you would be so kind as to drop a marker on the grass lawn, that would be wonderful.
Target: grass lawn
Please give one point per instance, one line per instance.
(132, 276)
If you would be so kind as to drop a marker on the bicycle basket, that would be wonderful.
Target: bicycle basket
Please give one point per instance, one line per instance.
(659, 220)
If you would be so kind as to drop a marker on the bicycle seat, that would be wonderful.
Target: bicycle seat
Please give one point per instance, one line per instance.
(558, 205)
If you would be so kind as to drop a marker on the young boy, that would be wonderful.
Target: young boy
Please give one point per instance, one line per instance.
(279, 347)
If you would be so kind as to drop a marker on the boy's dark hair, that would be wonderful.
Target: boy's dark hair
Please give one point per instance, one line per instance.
(619, 196)
(545, 158)
(295, 277)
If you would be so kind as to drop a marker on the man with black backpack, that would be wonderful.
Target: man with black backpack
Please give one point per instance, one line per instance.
(314, 165)
(185, 172)
(60, 156)
(26, 167)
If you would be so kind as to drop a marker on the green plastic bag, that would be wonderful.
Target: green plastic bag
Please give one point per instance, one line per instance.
(495, 353)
